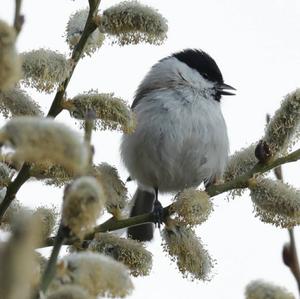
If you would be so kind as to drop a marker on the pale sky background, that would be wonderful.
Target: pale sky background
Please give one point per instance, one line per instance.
(257, 47)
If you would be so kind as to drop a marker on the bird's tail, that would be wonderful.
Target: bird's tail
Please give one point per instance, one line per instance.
(143, 203)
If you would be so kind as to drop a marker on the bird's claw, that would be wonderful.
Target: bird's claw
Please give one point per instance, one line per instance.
(158, 212)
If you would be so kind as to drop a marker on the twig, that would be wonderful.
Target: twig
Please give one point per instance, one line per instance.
(88, 129)
(294, 265)
(289, 253)
(290, 257)
(13, 188)
(19, 19)
(89, 28)
(88, 126)
(110, 225)
(259, 168)
(62, 234)
(23, 174)
(212, 190)
(56, 107)
(240, 182)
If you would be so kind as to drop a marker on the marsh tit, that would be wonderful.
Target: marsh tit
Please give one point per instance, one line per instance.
(181, 137)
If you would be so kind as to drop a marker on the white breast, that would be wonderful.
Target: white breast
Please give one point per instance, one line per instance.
(181, 137)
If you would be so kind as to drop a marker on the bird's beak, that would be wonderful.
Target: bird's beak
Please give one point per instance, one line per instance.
(221, 88)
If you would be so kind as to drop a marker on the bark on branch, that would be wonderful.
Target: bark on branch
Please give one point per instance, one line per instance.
(213, 190)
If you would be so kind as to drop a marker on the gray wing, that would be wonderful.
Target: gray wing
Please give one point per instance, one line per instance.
(140, 94)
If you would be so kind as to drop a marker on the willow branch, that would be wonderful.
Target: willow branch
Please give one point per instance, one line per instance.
(213, 190)
(14, 187)
(19, 19)
(56, 107)
(50, 270)
(23, 175)
(89, 28)
(294, 261)
(243, 180)
(240, 182)
(289, 253)
(88, 129)
(111, 225)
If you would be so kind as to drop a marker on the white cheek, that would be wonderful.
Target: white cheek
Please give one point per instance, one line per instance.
(172, 73)
(197, 82)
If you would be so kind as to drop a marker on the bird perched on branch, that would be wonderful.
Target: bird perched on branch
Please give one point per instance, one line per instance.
(181, 138)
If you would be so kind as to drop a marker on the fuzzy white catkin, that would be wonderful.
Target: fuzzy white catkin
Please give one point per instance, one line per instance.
(283, 128)
(17, 259)
(13, 212)
(17, 102)
(75, 28)
(276, 202)
(36, 139)
(238, 164)
(100, 275)
(54, 175)
(10, 62)
(129, 252)
(130, 22)
(192, 207)
(44, 69)
(47, 217)
(259, 289)
(84, 200)
(111, 112)
(186, 249)
(114, 188)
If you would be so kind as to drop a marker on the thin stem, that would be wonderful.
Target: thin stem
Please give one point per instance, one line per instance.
(14, 187)
(294, 265)
(54, 110)
(115, 224)
(19, 19)
(259, 168)
(23, 174)
(290, 256)
(62, 234)
(110, 225)
(89, 28)
(56, 107)
(240, 182)
(88, 129)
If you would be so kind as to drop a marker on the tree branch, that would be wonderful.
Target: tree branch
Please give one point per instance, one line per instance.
(243, 180)
(62, 234)
(19, 19)
(56, 107)
(88, 129)
(89, 28)
(295, 265)
(289, 252)
(213, 190)
(13, 188)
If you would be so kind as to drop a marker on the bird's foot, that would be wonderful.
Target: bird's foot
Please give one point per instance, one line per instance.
(158, 213)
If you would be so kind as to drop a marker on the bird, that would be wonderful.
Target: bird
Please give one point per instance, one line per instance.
(180, 139)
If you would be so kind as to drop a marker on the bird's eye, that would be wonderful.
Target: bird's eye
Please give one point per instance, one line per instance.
(205, 75)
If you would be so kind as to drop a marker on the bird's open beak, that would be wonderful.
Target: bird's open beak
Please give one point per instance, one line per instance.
(221, 88)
